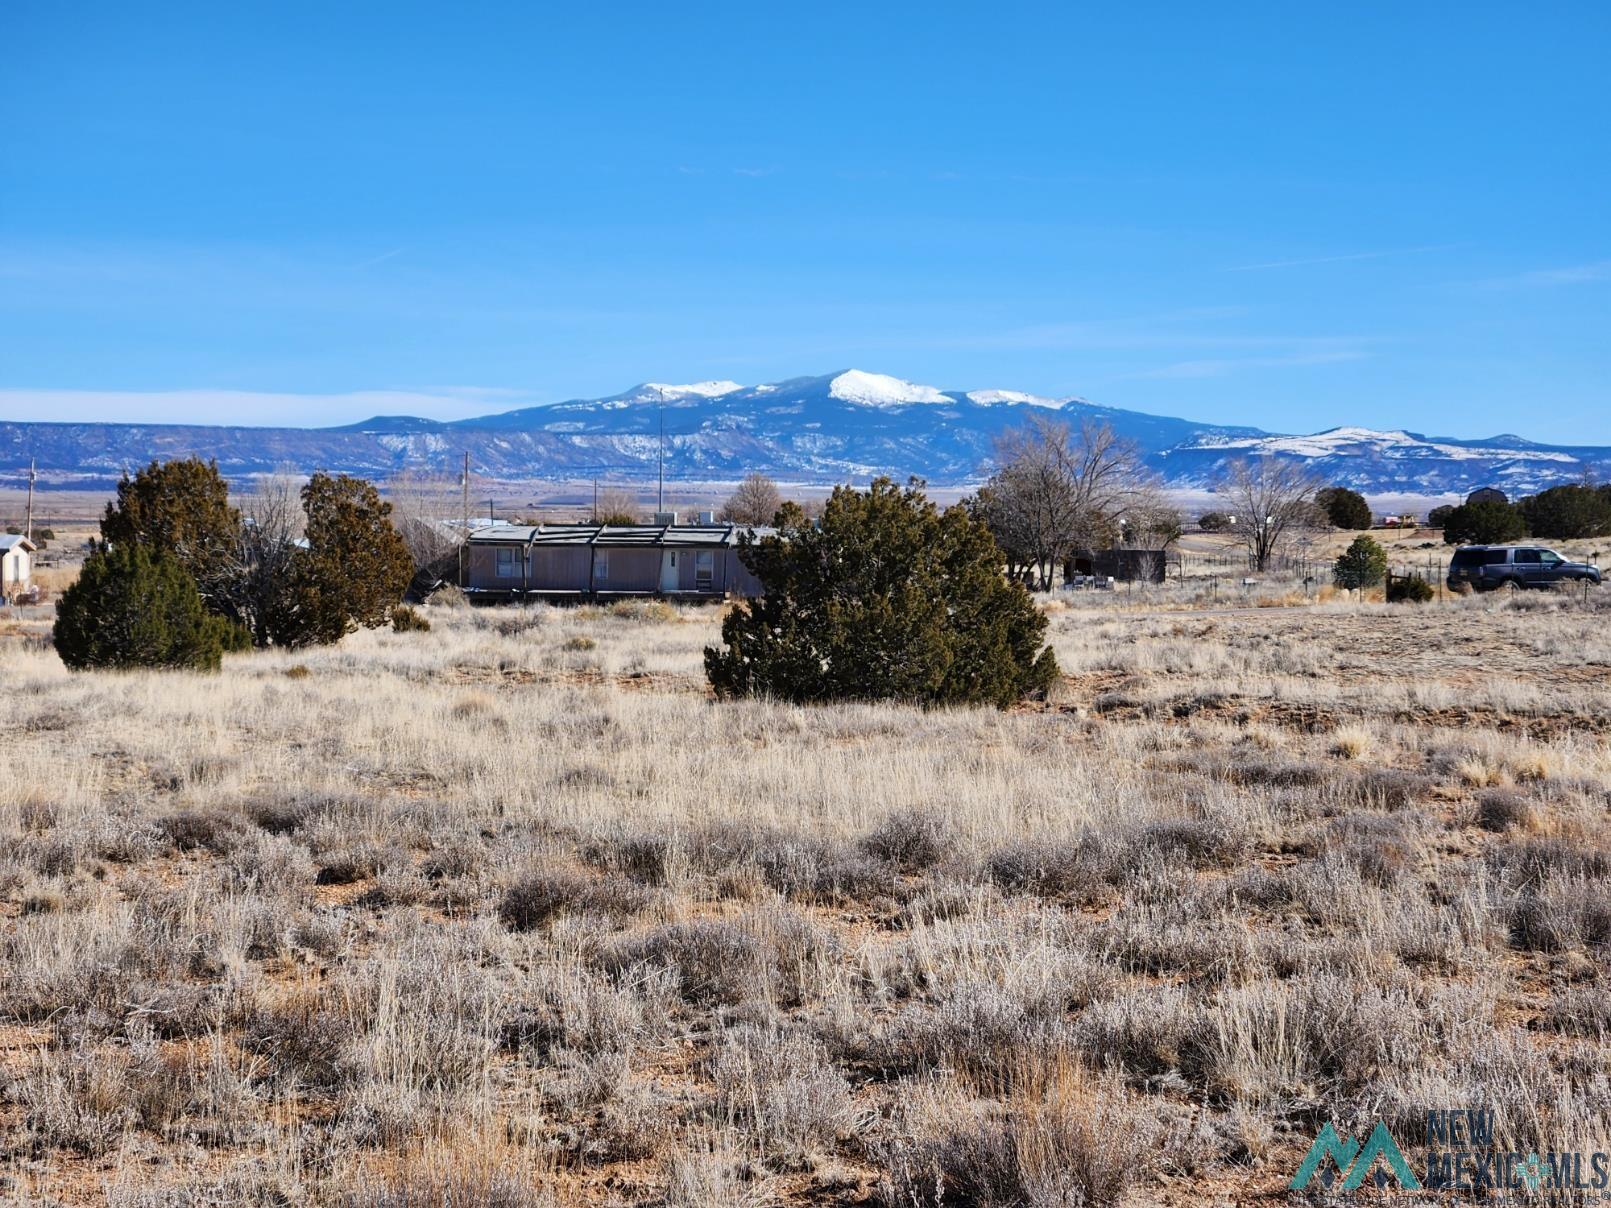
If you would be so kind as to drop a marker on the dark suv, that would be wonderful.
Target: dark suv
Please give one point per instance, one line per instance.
(1487, 567)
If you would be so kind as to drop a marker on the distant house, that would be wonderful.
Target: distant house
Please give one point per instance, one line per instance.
(1487, 495)
(575, 561)
(16, 563)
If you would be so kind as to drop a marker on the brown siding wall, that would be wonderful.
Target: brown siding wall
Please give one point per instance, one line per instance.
(740, 582)
(560, 568)
(484, 569)
(565, 568)
(631, 570)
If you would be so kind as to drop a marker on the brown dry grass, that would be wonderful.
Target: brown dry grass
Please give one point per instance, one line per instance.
(511, 912)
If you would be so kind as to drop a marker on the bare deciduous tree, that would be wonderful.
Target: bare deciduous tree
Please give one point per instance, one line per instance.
(755, 501)
(1106, 470)
(1271, 502)
(425, 513)
(1029, 507)
(1150, 521)
(272, 521)
(616, 506)
(1057, 491)
(1150, 524)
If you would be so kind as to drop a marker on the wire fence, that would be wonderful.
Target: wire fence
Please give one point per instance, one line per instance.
(1210, 583)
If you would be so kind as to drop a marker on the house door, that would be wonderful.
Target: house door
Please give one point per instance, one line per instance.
(668, 570)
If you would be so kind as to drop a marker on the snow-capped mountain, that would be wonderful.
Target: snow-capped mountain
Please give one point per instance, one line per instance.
(1400, 461)
(881, 390)
(842, 426)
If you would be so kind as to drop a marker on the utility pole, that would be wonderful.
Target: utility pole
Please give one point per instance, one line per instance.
(464, 522)
(662, 410)
(30, 526)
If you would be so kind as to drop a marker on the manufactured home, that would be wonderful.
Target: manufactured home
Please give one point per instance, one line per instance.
(575, 561)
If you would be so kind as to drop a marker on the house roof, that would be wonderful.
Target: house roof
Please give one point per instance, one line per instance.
(617, 536)
(8, 541)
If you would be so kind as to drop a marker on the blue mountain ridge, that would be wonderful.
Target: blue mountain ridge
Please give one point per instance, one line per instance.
(846, 426)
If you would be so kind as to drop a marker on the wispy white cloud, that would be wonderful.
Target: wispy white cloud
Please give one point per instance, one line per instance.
(1338, 259)
(754, 171)
(396, 251)
(1574, 274)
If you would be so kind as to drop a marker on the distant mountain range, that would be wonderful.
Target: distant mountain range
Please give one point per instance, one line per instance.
(840, 427)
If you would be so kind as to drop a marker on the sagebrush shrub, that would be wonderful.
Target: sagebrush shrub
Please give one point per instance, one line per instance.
(912, 839)
(407, 619)
(544, 894)
(1067, 1139)
(1078, 868)
(212, 831)
(1409, 589)
(799, 865)
(713, 961)
(782, 1090)
(1504, 809)
(1560, 912)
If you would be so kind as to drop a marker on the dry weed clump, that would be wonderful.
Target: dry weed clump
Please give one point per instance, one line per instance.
(779, 1092)
(509, 912)
(1063, 1137)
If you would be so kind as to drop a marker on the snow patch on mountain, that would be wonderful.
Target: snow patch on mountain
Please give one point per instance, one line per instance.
(694, 389)
(990, 398)
(881, 390)
(1349, 441)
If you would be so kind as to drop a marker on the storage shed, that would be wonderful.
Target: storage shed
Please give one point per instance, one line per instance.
(16, 563)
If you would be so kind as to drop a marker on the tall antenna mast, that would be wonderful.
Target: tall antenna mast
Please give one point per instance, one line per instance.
(31, 476)
(464, 521)
(662, 409)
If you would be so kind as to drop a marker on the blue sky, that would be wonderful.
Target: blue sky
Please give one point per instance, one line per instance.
(1289, 215)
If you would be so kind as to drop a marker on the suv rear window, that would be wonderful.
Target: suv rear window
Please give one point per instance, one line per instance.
(1529, 556)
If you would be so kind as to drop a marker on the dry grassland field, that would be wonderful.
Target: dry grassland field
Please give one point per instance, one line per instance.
(511, 912)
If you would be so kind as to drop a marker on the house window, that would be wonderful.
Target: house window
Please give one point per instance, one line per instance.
(704, 569)
(601, 565)
(508, 566)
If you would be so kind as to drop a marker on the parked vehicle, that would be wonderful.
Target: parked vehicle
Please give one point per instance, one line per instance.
(1490, 567)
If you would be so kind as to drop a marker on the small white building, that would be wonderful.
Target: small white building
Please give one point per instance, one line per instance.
(16, 563)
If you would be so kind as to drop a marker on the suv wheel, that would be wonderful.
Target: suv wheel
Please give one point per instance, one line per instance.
(1510, 586)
